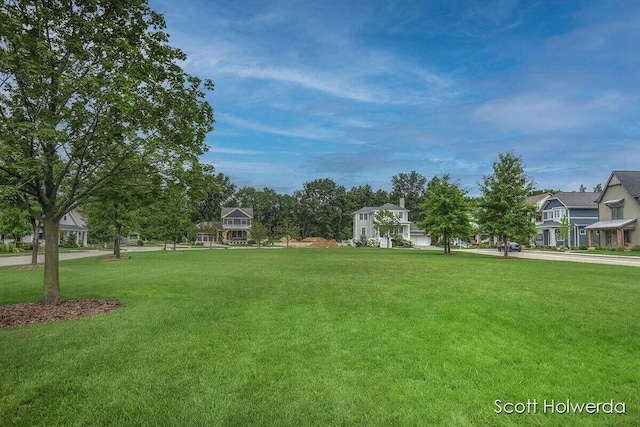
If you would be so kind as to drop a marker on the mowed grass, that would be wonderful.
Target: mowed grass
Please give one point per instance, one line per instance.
(324, 337)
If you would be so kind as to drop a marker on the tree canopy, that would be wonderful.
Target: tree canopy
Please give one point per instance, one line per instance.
(503, 210)
(446, 211)
(90, 91)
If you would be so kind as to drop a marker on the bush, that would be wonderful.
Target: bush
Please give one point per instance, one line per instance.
(70, 243)
(12, 249)
(3, 247)
(402, 243)
(24, 246)
(620, 248)
(635, 248)
(583, 247)
(140, 242)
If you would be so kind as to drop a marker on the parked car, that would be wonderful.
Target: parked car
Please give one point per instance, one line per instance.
(511, 246)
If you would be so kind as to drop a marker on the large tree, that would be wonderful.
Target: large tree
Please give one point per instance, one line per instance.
(87, 89)
(321, 209)
(411, 187)
(446, 211)
(503, 209)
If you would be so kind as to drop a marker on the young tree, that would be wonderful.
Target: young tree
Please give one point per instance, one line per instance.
(597, 188)
(289, 230)
(386, 223)
(564, 229)
(446, 211)
(88, 90)
(503, 210)
(582, 188)
(259, 232)
(212, 228)
(14, 222)
(114, 211)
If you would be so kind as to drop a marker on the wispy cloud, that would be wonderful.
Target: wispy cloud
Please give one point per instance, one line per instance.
(306, 132)
(223, 150)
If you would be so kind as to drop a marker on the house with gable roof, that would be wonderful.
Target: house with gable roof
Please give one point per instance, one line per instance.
(236, 224)
(538, 201)
(618, 211)
(580, 209)
(364, 227)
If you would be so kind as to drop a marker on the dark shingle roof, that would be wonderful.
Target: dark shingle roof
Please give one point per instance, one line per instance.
(631, 181)
(576, 199)
(226, 211)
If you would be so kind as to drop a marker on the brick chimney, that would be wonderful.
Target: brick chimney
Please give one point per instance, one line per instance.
(402, 202)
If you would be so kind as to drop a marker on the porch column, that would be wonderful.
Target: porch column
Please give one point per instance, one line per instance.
(619, 237)
(590, 234)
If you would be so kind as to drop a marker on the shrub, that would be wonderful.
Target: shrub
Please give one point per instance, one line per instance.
(583, 247)
(70, 243)
(24, 246)
(635, 248)
(3, 247)
(620, 248)
(12, 249)
(402, 243)
(140, 242)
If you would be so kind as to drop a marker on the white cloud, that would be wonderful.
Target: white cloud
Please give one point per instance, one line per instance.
(550, 112)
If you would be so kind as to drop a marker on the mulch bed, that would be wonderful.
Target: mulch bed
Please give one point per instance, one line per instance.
(38, 312)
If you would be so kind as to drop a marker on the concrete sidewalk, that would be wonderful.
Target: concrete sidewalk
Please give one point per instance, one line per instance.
(26, 259)
(632, 261)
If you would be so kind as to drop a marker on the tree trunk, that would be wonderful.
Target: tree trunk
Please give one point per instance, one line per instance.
(36, 242)
(447, 247)
(175, 244)
(51, 261)
(506, 247)
(116, 241)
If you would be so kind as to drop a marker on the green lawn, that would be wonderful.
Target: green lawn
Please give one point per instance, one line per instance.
(324, 337)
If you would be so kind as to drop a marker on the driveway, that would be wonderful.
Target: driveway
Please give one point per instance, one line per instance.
(20, 260)
(632, 261)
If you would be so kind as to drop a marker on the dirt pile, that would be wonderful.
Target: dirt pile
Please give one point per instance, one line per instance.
(319, 242)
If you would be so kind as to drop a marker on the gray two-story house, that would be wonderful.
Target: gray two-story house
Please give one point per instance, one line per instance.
(236, 224)
(619, 210)
(580, 209)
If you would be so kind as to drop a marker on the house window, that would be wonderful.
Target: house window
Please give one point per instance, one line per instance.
(583, 232)
(364, 217)
(400, 215)
(559, 237)
(244, 222)
(616, 213)
(364, 232)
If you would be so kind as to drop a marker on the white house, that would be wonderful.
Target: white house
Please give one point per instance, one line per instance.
(72, 222)
(364, 226)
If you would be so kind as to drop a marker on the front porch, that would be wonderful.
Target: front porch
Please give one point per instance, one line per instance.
(612, 233)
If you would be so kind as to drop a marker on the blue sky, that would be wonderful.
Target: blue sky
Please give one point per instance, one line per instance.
(358, 91)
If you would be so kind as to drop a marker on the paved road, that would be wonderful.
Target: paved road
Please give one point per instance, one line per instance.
(633, 261)
(21, 260)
